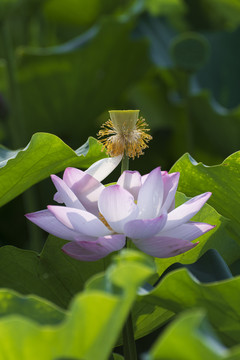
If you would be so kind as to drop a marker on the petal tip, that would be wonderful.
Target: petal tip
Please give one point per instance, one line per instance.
(55, 179)
(32, 215)
(51, 207)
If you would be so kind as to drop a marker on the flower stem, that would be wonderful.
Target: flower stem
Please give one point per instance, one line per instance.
(129, 346)
(125, 163)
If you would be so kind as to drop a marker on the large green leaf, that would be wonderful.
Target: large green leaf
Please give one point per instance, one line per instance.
(52, 274)
(148, 317)
(33, 307)
(180, 290)
(222, 180)
(44, 155)
(55, 276)
(191, 337)
(94, 322)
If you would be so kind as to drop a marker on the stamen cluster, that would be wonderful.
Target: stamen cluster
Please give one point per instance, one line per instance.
(125, 134)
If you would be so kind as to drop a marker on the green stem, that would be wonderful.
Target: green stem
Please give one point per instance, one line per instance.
(125, 163)
(129, 346)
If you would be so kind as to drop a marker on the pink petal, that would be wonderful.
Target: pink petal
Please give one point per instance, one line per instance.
(186, 211)
(188, 231)
(85, 187)
(163, 247)
(144, 177)
(79, 221)
(57, 198)
(143, 229)
(170, 183)
(172, 206)
(94, 250)
(102, 168)
(117, 206)
(130, 181)
(47, 221)
(151, 195)
(65, 193)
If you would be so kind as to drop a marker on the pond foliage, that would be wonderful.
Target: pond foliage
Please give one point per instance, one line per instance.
(140, 253)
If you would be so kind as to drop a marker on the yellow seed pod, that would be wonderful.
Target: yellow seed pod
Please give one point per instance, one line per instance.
(125, 133)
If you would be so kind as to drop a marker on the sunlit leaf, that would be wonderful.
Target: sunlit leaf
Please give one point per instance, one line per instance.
(180, 290)
(95, 317)
(44, 155)
(32, 307)
(191, 337)
(222, 180)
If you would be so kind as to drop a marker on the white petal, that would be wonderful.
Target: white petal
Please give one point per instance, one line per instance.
(130, 181)
(164, 247)
(172, 206)
(151, 195)
(85, 187)
(170, 184)
(80, 221)
(102, 168)
(143, 229)
(65, 193)
(57, 198)
(117, 206)
(94, 250)
(186, 211)
(47, 221)
(189, 231)
(144, 177)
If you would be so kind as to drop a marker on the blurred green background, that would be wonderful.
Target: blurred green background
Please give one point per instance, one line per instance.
(64, 64)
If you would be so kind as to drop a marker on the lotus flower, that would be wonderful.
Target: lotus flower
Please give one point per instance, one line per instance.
(97, 219)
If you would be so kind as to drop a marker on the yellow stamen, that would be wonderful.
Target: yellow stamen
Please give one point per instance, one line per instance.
(104, 221)
(125, 133)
